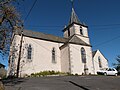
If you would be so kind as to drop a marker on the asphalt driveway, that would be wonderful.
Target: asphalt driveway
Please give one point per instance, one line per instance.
(64, 83)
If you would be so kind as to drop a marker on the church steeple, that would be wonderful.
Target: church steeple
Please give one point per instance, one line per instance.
(74, 18)
(76, 28)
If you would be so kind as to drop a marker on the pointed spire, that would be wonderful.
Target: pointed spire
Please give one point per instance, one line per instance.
(74, 17)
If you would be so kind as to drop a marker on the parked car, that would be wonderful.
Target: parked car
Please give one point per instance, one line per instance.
(108, 71)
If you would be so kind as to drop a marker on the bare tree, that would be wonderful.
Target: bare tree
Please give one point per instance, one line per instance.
(9, 21)
(117, 64)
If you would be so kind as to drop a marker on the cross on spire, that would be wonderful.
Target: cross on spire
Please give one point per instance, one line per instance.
(72, 2)
(74, 18)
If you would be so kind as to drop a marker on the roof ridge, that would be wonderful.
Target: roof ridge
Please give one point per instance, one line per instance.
(45, 33)
(40, 35)
(37, 33)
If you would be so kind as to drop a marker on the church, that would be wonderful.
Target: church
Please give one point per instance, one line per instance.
(71, 53)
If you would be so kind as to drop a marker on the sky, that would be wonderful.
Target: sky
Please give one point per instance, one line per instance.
(101, 16)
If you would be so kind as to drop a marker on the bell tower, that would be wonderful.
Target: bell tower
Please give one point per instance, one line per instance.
(75, 27)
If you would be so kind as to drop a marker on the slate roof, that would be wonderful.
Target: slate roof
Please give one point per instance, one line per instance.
(93, 53)
(74, 20)
(74, 17)
(75, 40)
(42, 36)
(38, 35)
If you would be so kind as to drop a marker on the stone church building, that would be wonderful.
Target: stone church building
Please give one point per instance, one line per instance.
(42, 52)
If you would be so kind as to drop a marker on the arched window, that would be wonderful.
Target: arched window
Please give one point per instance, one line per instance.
(29, 52)
(53, 55)
(81, 31)
(99, 60)
(68, 32)
(83, 55)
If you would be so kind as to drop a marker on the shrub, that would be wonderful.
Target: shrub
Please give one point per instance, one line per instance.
(45, 73)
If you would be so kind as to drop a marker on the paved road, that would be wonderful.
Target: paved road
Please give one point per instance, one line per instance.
(65, 83)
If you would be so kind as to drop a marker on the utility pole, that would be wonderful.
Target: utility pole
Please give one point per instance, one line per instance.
(19, 56)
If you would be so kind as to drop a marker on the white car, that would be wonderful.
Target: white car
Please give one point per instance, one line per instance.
(109, 71)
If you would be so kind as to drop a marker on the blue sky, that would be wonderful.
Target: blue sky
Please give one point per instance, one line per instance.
(101, 16)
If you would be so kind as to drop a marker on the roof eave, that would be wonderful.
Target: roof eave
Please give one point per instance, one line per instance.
(74, 43)
(72, 25)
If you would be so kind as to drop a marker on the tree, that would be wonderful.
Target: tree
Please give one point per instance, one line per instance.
(9, 22)
(117, 64)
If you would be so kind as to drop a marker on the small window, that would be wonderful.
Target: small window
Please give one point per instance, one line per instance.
(99, 60)
(29, 52)
(81, 31)
(113, 69)
(109, 69)
(68, 32)
(53, 55)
